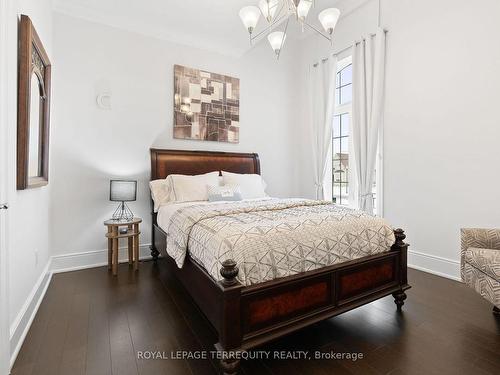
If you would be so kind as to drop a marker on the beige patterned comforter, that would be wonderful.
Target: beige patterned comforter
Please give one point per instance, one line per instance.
(274, 238)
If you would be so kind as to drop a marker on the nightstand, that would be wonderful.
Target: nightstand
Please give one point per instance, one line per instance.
(118, 229)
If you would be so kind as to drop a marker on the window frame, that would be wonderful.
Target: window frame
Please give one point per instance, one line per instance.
(340, 110)
(346, 177)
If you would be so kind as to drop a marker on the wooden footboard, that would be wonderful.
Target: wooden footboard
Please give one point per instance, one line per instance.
(248, 316)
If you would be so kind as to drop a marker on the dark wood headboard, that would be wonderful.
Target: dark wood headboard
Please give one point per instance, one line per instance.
(166, 162)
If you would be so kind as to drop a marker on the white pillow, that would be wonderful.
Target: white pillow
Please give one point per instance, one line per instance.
(193, 188)
(161, 192)
(251, 185)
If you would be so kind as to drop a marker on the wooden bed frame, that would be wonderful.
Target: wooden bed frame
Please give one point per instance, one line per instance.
(248, 316)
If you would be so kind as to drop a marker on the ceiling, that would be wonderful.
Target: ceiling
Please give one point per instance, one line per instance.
(207, 24)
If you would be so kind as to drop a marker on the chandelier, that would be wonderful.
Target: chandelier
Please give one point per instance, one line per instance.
(276, 12)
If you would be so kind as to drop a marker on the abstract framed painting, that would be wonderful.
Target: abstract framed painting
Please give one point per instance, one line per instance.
(206, 106)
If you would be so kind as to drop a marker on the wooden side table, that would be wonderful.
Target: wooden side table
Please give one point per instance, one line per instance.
(114, 234)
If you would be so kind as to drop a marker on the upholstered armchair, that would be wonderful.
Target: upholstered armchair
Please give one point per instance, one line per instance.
(480, 263)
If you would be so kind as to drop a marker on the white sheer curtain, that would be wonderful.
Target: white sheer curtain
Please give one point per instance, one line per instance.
(322, 97)
(368, 62)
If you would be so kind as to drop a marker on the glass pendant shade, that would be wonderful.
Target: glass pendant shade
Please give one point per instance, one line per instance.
(276, 40)
(250, 16)
(303, 9)
(328, 19)
(268, 8)
(279, 10)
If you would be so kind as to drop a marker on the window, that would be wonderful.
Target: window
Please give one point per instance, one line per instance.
(341, 132)
(343, 180)
(343, 86)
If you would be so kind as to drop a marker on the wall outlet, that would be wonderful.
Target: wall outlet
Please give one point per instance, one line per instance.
(36, 257)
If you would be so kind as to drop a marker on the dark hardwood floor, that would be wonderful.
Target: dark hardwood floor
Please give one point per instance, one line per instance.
(93, 323)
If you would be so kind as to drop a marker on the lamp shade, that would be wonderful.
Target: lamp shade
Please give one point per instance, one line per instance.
(276, 40)
(303, 9)
(268, 8)
(122, 190)
(328, 19)
(250, 16)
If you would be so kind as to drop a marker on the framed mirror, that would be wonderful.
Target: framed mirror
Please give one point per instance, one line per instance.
(33, 116)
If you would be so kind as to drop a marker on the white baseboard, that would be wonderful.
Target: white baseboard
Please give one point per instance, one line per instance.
(436, 265)
(90, 259)
(21, 325)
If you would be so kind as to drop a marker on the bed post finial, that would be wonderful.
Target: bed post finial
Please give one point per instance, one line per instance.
(229, 271)
(400, 237)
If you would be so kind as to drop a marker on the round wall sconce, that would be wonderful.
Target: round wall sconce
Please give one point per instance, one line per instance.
(104, 101)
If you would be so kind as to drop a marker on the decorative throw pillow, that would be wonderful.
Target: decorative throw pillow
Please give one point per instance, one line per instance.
(251, 185)
(193, 188)
(224, 193)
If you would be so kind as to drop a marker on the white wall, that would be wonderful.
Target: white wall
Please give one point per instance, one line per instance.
(91, 145)
(441, 119)
(29, 219)
(4, 258)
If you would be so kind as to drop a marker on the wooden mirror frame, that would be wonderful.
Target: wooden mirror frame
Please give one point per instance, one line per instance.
(32, 59)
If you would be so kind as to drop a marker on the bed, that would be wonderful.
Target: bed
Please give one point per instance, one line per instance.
(248, 311)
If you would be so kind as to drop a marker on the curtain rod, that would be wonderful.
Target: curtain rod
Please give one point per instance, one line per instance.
(344, 49)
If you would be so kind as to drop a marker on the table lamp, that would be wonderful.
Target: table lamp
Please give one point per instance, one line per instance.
(122, 191)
